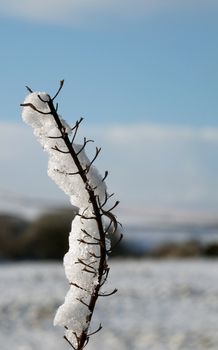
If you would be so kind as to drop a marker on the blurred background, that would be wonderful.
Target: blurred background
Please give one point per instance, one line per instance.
(143, 75)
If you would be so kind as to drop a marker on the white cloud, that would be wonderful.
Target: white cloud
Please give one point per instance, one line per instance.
(151, 166)
(76, 11)
(159, 133)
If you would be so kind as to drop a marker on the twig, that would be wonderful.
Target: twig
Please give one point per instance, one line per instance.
(99, 214)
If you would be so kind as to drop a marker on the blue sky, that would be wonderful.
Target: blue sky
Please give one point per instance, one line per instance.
(157, 67)
(145, 77)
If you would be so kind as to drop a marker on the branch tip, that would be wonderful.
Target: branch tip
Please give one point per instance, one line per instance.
(97, 330)
(59, 89)
(28, 89)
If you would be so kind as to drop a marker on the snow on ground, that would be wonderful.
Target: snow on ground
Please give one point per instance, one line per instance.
(161, 305)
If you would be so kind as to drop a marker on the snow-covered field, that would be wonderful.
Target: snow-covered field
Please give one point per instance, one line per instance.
(161, 305)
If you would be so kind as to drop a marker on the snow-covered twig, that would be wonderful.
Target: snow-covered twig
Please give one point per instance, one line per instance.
(85, 263)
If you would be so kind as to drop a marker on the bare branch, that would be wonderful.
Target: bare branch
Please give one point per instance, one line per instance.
(77, 338)
(107, 197)
(42, 100)
(86, 342)
(34, 108)
(80, 261)
(105, 176)
(84, 145)
(78, 122)
(65, 173)
(28, 88)
(108, 294)
(88, 235)
(112, 218)
(77, 286)
(114, 206)
(55, 137)
(98, 150)
(94, 255)
(85, 242)
(98, 264)
(116, 244)
(59, 150)
(106, 272)
(108, 227)
(97, 330)
(60, 87)
(87, 217)
(75, 129)
(89, 271)
(83, 302)
(69, 342)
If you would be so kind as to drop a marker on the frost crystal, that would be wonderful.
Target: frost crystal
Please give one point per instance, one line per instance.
(86, 261)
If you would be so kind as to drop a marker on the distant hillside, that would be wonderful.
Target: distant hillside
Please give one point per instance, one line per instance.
(46, 237)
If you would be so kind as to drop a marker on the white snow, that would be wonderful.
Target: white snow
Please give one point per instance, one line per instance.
(61, 164)
(73, 314)
(160, 305)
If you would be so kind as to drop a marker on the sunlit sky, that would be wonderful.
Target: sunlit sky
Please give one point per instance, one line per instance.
(145, 77)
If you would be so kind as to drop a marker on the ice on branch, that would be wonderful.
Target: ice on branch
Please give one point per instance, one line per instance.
(85, 263)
